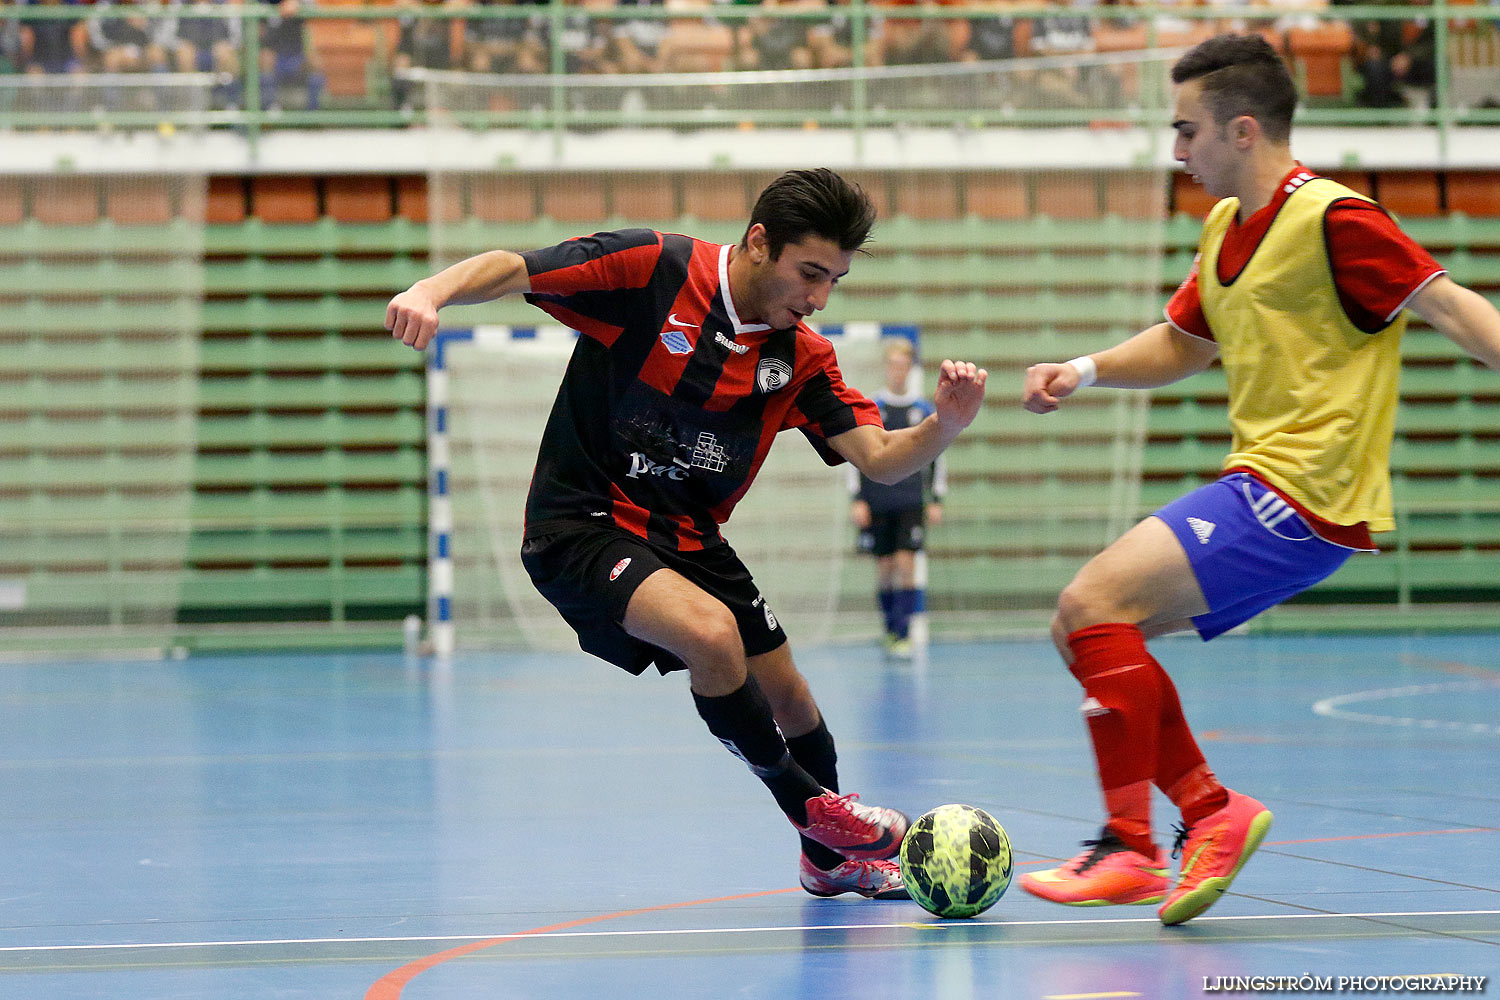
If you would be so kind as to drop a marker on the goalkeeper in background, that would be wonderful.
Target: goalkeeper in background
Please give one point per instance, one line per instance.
(1301, 288)
(692, 357)
(892, 519)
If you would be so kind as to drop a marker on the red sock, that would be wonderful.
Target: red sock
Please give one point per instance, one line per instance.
(1181, 771)
(1122, 703)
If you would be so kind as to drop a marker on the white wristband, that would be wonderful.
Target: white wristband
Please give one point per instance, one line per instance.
(1088, 372)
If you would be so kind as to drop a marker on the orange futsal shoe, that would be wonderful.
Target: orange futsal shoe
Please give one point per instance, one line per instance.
(1107, 873)
(1217, 847)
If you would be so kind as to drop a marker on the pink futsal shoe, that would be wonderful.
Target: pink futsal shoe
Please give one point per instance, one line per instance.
(878, 879)
(1108, 873)
(855, 831)
(1215, 850)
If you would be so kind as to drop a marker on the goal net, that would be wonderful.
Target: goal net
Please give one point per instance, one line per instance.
(491, 390)
(1025, 245)
(101, 287)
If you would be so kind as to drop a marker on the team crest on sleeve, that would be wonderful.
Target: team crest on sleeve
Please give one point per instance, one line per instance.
(614, 574)
(772, 374)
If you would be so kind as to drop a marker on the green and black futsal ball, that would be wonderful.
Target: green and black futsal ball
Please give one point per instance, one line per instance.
(956, 861)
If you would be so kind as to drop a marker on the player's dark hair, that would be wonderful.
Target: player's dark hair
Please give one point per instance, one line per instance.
(1242, 75)
(802, 203)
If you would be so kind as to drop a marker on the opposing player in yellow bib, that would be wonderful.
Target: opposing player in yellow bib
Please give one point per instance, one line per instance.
(1301, 289)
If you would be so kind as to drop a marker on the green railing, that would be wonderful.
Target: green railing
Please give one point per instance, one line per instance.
(356, 72)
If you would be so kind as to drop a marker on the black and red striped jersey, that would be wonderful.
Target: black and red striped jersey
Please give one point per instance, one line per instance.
(670, 403)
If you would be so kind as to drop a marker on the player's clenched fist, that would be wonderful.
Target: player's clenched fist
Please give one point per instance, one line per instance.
(1047, 384)
(412, 317)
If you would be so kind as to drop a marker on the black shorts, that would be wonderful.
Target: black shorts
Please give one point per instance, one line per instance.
(589, 573)
(901, 529)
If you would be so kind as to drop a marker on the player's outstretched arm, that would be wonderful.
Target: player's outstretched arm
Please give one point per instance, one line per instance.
(1159, 355)
(890, 456)
(1463, 316)
(412, 316)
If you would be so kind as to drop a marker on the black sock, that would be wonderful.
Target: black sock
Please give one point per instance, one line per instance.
(816, 753)
(743, 722)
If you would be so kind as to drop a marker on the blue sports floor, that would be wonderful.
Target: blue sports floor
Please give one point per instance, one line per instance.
(362, 826)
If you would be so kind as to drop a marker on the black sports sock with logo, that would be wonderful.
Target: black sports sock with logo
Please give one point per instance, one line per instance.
(816, 753)
(742, 721)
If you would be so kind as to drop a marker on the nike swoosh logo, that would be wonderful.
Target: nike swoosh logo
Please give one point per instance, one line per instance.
(884, 842)
(672, 320)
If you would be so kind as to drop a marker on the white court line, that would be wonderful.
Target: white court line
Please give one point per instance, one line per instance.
(948, 925)
(1330, 706)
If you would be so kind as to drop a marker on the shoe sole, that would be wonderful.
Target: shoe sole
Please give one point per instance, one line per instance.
(1191, 904)
(1148, 900)
(883, 894)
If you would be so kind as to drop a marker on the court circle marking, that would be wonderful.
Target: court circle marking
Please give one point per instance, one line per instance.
(1333, 707)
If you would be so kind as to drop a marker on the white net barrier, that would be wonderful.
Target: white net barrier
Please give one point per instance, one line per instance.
(101, 288)
(1006, 265)
(1048, 89)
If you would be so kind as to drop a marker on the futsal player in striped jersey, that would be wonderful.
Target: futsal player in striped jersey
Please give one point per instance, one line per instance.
(1301, 288)
(693, 356)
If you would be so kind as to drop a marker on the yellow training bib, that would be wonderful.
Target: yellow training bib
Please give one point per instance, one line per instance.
(1312, 398)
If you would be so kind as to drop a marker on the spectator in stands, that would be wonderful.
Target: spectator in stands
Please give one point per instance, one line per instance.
(901, 41)
(585, 40)
(53, 46)
(773, 42)
(1071, 33)
(636, 43)
(507, 44)
(831, 42)
(10, 40)
(990, 37)
(1397, 60)
(125, 41)
(286, 60)
(695, 44)
(426, 42)
(210, 45)
(1063, 33)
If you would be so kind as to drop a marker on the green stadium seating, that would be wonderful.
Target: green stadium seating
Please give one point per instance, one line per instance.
(310, 478)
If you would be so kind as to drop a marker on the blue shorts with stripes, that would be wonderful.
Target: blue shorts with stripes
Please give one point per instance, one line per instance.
(1249, 549)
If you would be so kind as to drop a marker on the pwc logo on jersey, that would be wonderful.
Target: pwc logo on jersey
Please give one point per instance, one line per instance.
(640, 466)
(772, 374)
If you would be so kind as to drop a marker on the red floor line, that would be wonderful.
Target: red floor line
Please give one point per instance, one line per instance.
(389, 986)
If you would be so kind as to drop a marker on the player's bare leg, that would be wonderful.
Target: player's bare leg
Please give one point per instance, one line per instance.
(791, 699)
(1142, 586)
(822, 871)
(1143, 578)
(669, 611)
